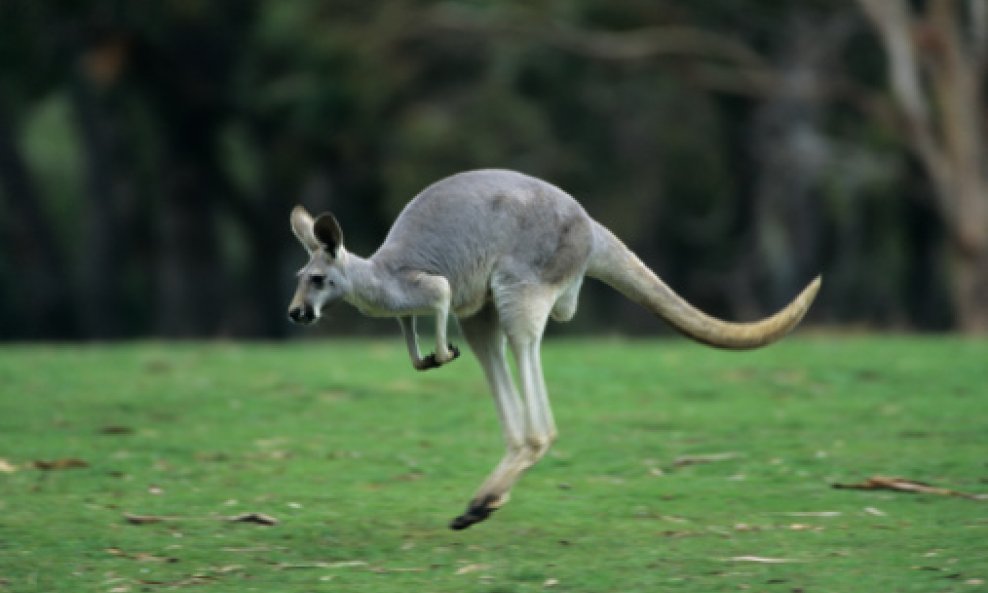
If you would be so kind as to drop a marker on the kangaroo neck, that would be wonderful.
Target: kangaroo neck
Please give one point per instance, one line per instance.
(367, 287)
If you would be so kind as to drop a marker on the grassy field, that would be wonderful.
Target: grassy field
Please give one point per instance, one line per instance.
(363, 462)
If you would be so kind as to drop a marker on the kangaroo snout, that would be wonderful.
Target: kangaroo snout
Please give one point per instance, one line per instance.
(303, 314)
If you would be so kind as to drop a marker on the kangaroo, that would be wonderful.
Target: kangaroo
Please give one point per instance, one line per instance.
(502, 252)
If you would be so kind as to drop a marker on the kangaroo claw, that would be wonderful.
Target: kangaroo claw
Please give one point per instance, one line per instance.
(431, 362)
(428, 362)
(476, 513)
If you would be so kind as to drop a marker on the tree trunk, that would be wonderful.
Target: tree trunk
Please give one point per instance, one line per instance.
(792, 154)
(970, 290)
(937, 75)
(41, 292)
(189, 284)
(188, 95)
(258, 301)
(101, 261)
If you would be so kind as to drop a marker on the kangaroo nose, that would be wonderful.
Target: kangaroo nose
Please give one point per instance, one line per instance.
(301, 314)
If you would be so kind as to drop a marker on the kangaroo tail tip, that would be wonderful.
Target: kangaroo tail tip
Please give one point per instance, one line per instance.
(814, 286)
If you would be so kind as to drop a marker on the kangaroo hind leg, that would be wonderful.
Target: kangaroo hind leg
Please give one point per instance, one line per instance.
(524, 311)
(485, 337)
(531, 430)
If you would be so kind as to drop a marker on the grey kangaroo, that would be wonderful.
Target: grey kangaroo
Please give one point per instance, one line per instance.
(503, 252)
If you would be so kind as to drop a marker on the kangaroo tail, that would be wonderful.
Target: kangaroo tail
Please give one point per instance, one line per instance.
(613, 263)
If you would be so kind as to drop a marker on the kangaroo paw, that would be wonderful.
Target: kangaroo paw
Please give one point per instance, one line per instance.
(426, 363)
(432, 361)
(476, 513)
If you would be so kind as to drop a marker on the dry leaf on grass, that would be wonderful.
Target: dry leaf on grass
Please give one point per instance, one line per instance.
(760, 559)
(472, 568)
(258, 518)
(140, 556)
(346, 564)
(905, 485)
(67, 463)
(700, 459)
(145, 519)
(191, 581)
(296, 565)
(254, 549)
(323, 564)
(386, 570)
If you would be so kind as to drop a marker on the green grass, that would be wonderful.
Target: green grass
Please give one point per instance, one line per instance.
(364, 462)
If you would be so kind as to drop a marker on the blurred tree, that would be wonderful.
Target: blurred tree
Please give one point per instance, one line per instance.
(185, 76)
(937, 57)
(34, 299)
(92, 82)
(150, 152)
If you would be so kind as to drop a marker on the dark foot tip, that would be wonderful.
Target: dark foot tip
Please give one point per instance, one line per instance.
(475, 514)
(462, 522)
(429, 362)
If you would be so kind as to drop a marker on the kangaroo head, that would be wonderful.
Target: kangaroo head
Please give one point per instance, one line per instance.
(323, 280)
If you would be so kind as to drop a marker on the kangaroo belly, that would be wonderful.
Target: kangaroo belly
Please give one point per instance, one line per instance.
(470, 293)
(472, 226)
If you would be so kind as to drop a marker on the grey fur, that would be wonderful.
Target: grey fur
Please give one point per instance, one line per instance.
(503, 252)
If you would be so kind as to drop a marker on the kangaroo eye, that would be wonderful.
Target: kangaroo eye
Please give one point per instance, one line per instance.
(317, 281)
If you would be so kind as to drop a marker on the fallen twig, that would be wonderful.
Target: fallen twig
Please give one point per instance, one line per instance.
(905, 485)
(145, 519)
(700, 459)
(258, 518)
(140, 556)
(811, 513)
(68, 463)
(760, 560)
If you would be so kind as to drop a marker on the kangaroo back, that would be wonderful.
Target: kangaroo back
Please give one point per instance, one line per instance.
(613, 263)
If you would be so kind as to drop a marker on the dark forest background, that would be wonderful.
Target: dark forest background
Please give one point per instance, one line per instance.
(150, 152)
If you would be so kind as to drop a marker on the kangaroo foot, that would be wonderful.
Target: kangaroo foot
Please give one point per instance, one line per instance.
(432, 362)
(426, 363)
(454, 353)
(476, 512)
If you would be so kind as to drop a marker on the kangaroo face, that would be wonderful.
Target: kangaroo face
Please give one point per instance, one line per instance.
(323, 280)
(320, 284)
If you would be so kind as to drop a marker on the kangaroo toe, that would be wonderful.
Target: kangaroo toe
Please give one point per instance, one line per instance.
(476, 512)
(426, 363)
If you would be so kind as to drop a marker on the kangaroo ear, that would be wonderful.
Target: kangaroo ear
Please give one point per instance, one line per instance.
(328, 233)
(302, 227)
